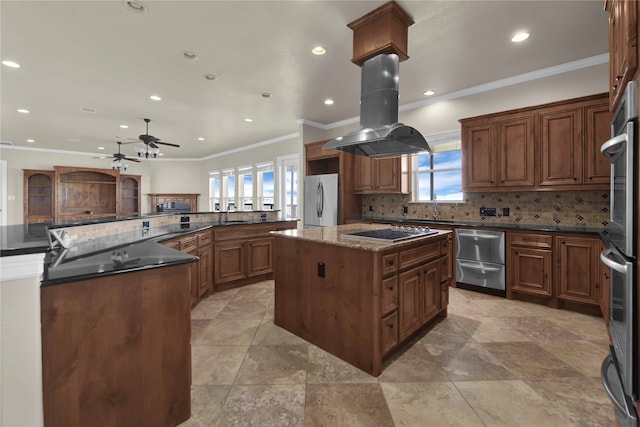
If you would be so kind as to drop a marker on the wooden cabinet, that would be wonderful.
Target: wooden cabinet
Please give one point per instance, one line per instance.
(86, 192)
(579, 271)
(244, 253)
(623, 46)
(382, 175)
(554, 146)
(130, 194)
(560, 145)
(561, 268)
(197, 244)
(39, 196)
(410, 285)
(499, 153)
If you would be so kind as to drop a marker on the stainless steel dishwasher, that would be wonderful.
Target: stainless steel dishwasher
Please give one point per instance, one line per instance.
(480, 259)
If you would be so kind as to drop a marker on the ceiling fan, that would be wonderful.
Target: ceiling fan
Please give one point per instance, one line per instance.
(151, 148)
(119, 157)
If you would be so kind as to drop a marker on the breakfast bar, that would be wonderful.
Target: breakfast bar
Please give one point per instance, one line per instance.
(361, 297)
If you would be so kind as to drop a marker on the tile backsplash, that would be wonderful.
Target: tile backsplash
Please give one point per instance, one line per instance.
(561, 208)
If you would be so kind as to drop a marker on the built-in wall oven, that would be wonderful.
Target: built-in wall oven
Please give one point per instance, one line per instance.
(618, 369)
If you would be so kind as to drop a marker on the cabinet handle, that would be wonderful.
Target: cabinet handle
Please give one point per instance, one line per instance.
(390, 288)
(618, 77)
(575, 179)
(389, 325)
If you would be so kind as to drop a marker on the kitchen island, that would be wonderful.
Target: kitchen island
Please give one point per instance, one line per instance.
(359, 299)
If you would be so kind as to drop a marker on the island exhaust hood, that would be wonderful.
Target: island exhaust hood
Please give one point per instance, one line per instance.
(380, 133)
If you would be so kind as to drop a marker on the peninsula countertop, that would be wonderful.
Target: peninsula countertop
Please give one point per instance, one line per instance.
(334, 236)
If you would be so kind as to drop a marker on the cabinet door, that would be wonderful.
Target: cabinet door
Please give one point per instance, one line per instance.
(478, 156)
(260, 254)
(195, 279)
(205, 270)
(363, 174)
(516, 149)
(386, 174)
(229, 261)
(597, 168)
(561, 146)
(623, 45)
(409, 286)
(38, 196)
(431, 289)
(389, 337)
(578, 269)
(530, 271)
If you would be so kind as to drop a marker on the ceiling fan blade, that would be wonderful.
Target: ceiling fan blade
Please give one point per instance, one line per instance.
(130, 159)
(153, 145)
(167, 143)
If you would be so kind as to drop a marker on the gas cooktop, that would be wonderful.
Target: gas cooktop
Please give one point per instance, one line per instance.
(391, 235)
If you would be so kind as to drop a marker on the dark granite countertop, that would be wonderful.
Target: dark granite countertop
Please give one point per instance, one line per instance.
(23, 239)
(124, 259)
(482, 224)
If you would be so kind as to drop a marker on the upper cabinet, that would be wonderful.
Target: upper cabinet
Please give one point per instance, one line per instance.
(130, 194)
(623, 45)
(499, 153)
(381, 175)
(39, 196)
(549, 147)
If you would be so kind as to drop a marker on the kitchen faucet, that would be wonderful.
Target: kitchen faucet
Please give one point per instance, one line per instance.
(436, 212)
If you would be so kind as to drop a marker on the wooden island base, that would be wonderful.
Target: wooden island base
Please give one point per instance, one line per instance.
(359, 300)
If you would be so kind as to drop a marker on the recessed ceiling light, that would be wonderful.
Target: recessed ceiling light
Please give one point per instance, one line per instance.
(200, 139)
(88, 110)
(519, 37)
(266, 95)
(209, 77)
(135, 6)
(31, 140)
(100, 148)
(187, 54)
(11, 64)
(23, 111)
(248, 120)
(319, 50)
(155, 98)
(124, 126)
(328, 101)
(429, 93)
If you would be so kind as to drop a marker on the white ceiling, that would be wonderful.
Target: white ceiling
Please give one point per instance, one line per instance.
(102, 56)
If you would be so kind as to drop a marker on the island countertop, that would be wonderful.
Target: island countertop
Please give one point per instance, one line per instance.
(334, 236)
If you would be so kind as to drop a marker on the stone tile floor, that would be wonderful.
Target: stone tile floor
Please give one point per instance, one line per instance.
(491, 362)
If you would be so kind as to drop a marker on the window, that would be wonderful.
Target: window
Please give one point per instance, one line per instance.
(228, 190)
(214, 191)
(245, 187)
(288, 173)
(438, 175)
(265, 186)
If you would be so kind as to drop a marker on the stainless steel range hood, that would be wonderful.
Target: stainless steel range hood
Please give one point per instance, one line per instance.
(380, 134)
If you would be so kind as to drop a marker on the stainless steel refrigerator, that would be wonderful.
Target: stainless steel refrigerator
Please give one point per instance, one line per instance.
(321, 200)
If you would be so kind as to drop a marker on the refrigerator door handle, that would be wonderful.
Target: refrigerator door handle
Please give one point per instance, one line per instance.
(617, 140)
(321, 199)
(624, 406)
(318, 200)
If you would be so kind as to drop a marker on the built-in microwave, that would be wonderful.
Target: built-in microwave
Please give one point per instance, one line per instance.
(619, 375)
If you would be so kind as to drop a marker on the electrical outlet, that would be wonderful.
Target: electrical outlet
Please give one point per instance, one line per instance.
(405, 209)
(370, 208)
(321, 271)
(487, 211)
(505, 211)
(145, 225)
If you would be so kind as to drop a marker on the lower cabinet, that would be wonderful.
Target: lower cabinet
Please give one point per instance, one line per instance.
(558, 267)
(197, 244)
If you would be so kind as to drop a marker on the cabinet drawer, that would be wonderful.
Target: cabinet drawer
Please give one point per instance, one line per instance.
(389, 294)
(418, 255)
(188, 243)
(204, 238)
(532, 240)
(389, 333)
(229, 232)
(389, 264)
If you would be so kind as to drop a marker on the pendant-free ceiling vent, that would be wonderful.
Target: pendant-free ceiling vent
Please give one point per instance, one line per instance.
(380, 133)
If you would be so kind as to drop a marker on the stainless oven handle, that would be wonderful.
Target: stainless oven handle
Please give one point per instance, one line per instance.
(482, 235)
(624, 407)
(604, 257)
(619, 139)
